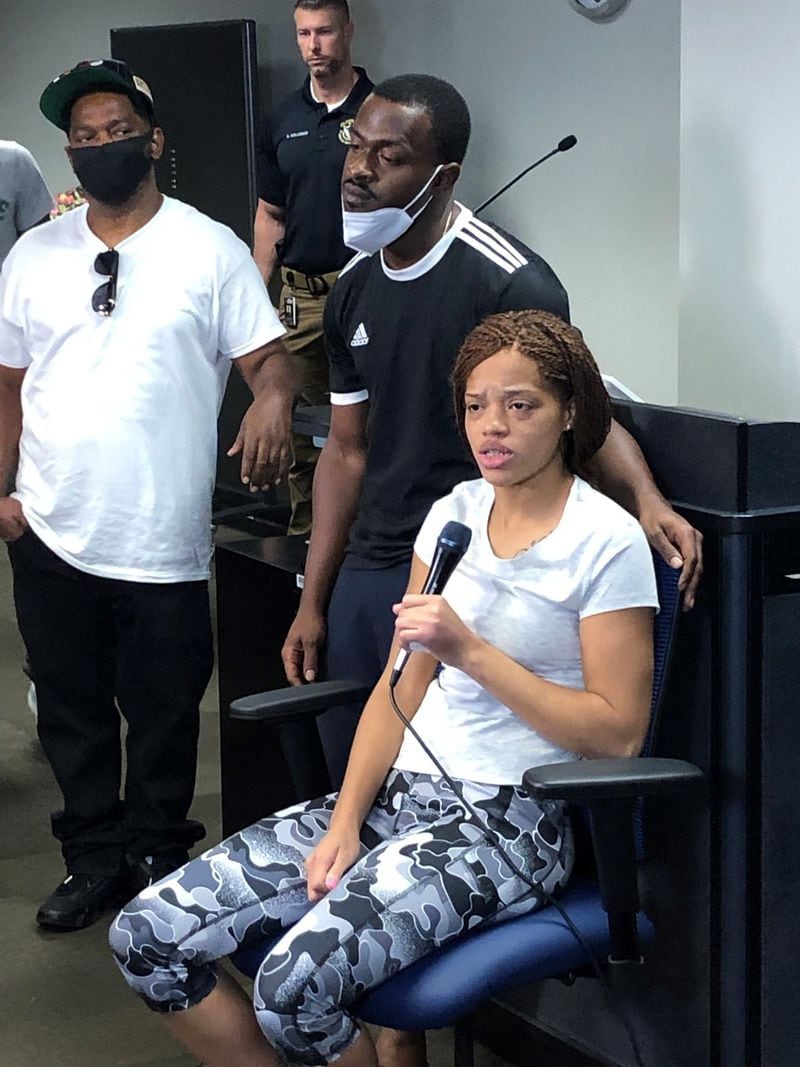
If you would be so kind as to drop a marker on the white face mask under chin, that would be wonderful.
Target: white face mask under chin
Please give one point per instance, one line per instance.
(369, 231)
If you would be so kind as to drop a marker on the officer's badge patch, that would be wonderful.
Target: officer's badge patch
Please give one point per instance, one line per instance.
(344, 130)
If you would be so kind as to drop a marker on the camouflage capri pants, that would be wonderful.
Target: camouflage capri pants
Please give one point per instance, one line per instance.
(426, 874)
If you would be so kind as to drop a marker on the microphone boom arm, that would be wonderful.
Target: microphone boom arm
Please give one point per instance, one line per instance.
(563, 145)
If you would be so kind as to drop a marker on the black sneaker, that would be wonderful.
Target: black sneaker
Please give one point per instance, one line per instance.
(154, 868)
(83, 898)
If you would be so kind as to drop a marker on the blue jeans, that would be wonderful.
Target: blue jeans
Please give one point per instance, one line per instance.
(360, 632)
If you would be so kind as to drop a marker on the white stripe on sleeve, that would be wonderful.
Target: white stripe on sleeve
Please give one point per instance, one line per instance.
(344, 399)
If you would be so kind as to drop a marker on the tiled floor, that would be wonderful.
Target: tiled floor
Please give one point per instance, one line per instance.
(62, 1002)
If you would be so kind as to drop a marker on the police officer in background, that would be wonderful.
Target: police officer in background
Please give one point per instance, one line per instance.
(299, 217)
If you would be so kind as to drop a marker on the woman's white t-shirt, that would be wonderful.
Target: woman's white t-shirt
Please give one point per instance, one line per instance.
(119, 439)
(597, 559)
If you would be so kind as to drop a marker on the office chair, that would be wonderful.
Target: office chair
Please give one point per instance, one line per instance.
(444, 988)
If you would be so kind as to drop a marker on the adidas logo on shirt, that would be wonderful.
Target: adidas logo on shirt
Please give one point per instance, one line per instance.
(360, 337)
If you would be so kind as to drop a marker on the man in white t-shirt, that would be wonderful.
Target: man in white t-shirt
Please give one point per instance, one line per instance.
(118, 325)
(24, 197)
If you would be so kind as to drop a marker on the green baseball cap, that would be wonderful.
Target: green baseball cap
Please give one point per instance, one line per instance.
(88, 76)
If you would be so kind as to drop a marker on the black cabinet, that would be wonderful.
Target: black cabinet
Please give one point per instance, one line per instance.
(257, 597)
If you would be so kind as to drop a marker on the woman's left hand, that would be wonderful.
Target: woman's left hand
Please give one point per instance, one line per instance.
(430, 622)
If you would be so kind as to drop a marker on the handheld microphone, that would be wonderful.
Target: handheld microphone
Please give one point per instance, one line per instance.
(453, 542)
(563, 145)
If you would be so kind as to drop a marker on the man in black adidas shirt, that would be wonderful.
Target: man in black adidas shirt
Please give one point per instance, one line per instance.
(392, 335)
(394, 324)
(299, 216)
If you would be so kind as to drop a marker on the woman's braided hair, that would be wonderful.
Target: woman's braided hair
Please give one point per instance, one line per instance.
(565, 365)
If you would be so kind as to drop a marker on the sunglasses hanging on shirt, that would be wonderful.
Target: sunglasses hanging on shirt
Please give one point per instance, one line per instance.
(104, 298)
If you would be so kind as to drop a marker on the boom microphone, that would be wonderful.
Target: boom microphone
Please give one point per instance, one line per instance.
(563, 145)
(453, 542)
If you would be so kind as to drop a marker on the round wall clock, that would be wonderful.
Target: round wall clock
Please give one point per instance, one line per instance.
(598, 10)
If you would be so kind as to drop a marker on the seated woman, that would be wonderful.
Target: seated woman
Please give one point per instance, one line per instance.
(544, 637)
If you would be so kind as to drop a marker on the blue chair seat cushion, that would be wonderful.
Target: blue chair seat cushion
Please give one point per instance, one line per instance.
(448, 984)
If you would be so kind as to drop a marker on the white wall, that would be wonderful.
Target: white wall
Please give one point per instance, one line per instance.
(740, 214)
(605, 215)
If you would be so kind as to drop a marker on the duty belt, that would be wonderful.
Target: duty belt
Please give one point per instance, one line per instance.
(316, 284)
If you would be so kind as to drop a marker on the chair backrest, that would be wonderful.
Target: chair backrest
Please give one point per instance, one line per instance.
(665, 626)
(664, 631)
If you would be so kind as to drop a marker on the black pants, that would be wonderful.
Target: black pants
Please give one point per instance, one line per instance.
(360, 632)
(98, 647)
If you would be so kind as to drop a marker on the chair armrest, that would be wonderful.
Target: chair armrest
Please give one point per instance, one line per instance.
(606, 779)
(609, 788)
(298, 701)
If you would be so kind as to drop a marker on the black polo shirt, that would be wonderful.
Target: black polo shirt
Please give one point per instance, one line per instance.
(301, 155)
(392, 338)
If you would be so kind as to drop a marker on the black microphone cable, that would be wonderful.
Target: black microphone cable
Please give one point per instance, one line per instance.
(543, 897)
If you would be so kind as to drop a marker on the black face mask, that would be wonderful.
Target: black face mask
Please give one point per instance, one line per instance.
(112, 172)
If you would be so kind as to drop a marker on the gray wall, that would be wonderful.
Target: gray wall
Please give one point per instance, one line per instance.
(740, 223)
(605, 215)
(43, 37)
